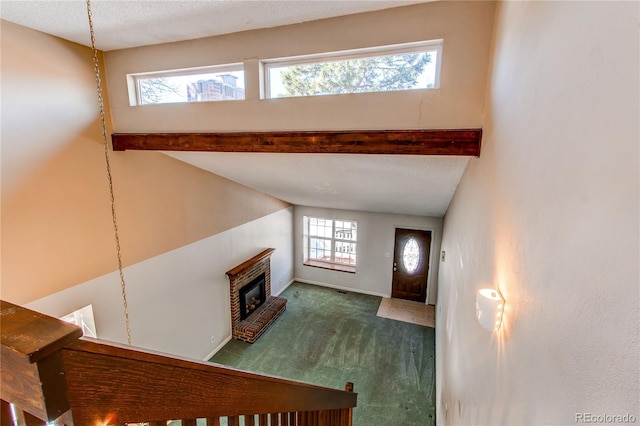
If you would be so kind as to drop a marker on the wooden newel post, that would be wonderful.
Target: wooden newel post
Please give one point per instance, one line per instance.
(33, 376)
(349, 388)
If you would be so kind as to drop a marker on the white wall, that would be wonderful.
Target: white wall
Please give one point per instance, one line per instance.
(549, 216)
(376, 236)
(180, 299)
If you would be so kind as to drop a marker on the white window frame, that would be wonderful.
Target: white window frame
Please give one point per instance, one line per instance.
(392, 49)
(133, 80)
(84, 319)
(307, 244)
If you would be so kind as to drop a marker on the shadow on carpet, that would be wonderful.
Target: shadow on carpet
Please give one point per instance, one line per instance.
(328, 338)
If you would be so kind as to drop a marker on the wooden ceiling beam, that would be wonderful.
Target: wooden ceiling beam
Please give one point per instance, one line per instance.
(464, 142)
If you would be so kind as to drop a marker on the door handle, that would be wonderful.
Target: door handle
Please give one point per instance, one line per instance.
(395, 269)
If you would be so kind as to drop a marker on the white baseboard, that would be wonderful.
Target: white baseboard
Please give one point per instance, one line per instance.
(220, 346)
(321, 284)
(285, 287)
(337, 287)
(225, 341)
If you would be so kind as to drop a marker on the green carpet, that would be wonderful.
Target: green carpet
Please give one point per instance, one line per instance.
(328, 338)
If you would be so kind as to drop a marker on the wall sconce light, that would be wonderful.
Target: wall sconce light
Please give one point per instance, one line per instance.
(489, 308)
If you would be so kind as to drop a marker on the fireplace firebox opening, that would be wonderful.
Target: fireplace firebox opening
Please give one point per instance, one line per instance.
(242, 287)
(252, 296)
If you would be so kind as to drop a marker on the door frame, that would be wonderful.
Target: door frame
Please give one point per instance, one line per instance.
(429, 274)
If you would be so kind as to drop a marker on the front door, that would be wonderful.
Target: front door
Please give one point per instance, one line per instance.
(411, 264)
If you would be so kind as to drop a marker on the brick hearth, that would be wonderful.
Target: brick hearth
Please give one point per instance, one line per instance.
(254, 325)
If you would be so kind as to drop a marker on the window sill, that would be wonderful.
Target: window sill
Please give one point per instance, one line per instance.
(331, 266)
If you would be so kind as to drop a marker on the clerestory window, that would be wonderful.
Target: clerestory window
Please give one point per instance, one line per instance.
(406, 66)
(203, 84)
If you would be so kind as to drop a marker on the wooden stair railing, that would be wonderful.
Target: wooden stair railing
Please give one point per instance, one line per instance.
(52, 374)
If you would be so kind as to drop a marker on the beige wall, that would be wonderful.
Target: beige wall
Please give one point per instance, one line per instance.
(56, 222)
(464, 26)
(549, 216)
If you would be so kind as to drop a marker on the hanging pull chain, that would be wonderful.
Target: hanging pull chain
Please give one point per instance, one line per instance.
(96, 66)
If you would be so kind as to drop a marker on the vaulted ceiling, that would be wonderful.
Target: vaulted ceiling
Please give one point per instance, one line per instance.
(121, 24)
(403, 184)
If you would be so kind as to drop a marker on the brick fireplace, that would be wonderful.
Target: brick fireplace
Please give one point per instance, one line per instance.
(259, 316)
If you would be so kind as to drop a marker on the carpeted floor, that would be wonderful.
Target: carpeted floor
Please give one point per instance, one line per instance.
(328, 338)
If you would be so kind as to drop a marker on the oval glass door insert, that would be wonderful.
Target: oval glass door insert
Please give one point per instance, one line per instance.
(411, 255)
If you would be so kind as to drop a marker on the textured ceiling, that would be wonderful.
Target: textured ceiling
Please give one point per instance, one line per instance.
(415, 185)
(125, 23)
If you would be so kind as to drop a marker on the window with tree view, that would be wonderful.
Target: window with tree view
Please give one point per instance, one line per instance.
(330, 242)
(390, 68)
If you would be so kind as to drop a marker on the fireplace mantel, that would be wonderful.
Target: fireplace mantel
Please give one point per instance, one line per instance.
(233, 273)
(258, 321)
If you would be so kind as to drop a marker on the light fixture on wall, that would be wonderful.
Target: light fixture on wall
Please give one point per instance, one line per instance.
(489, 308)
